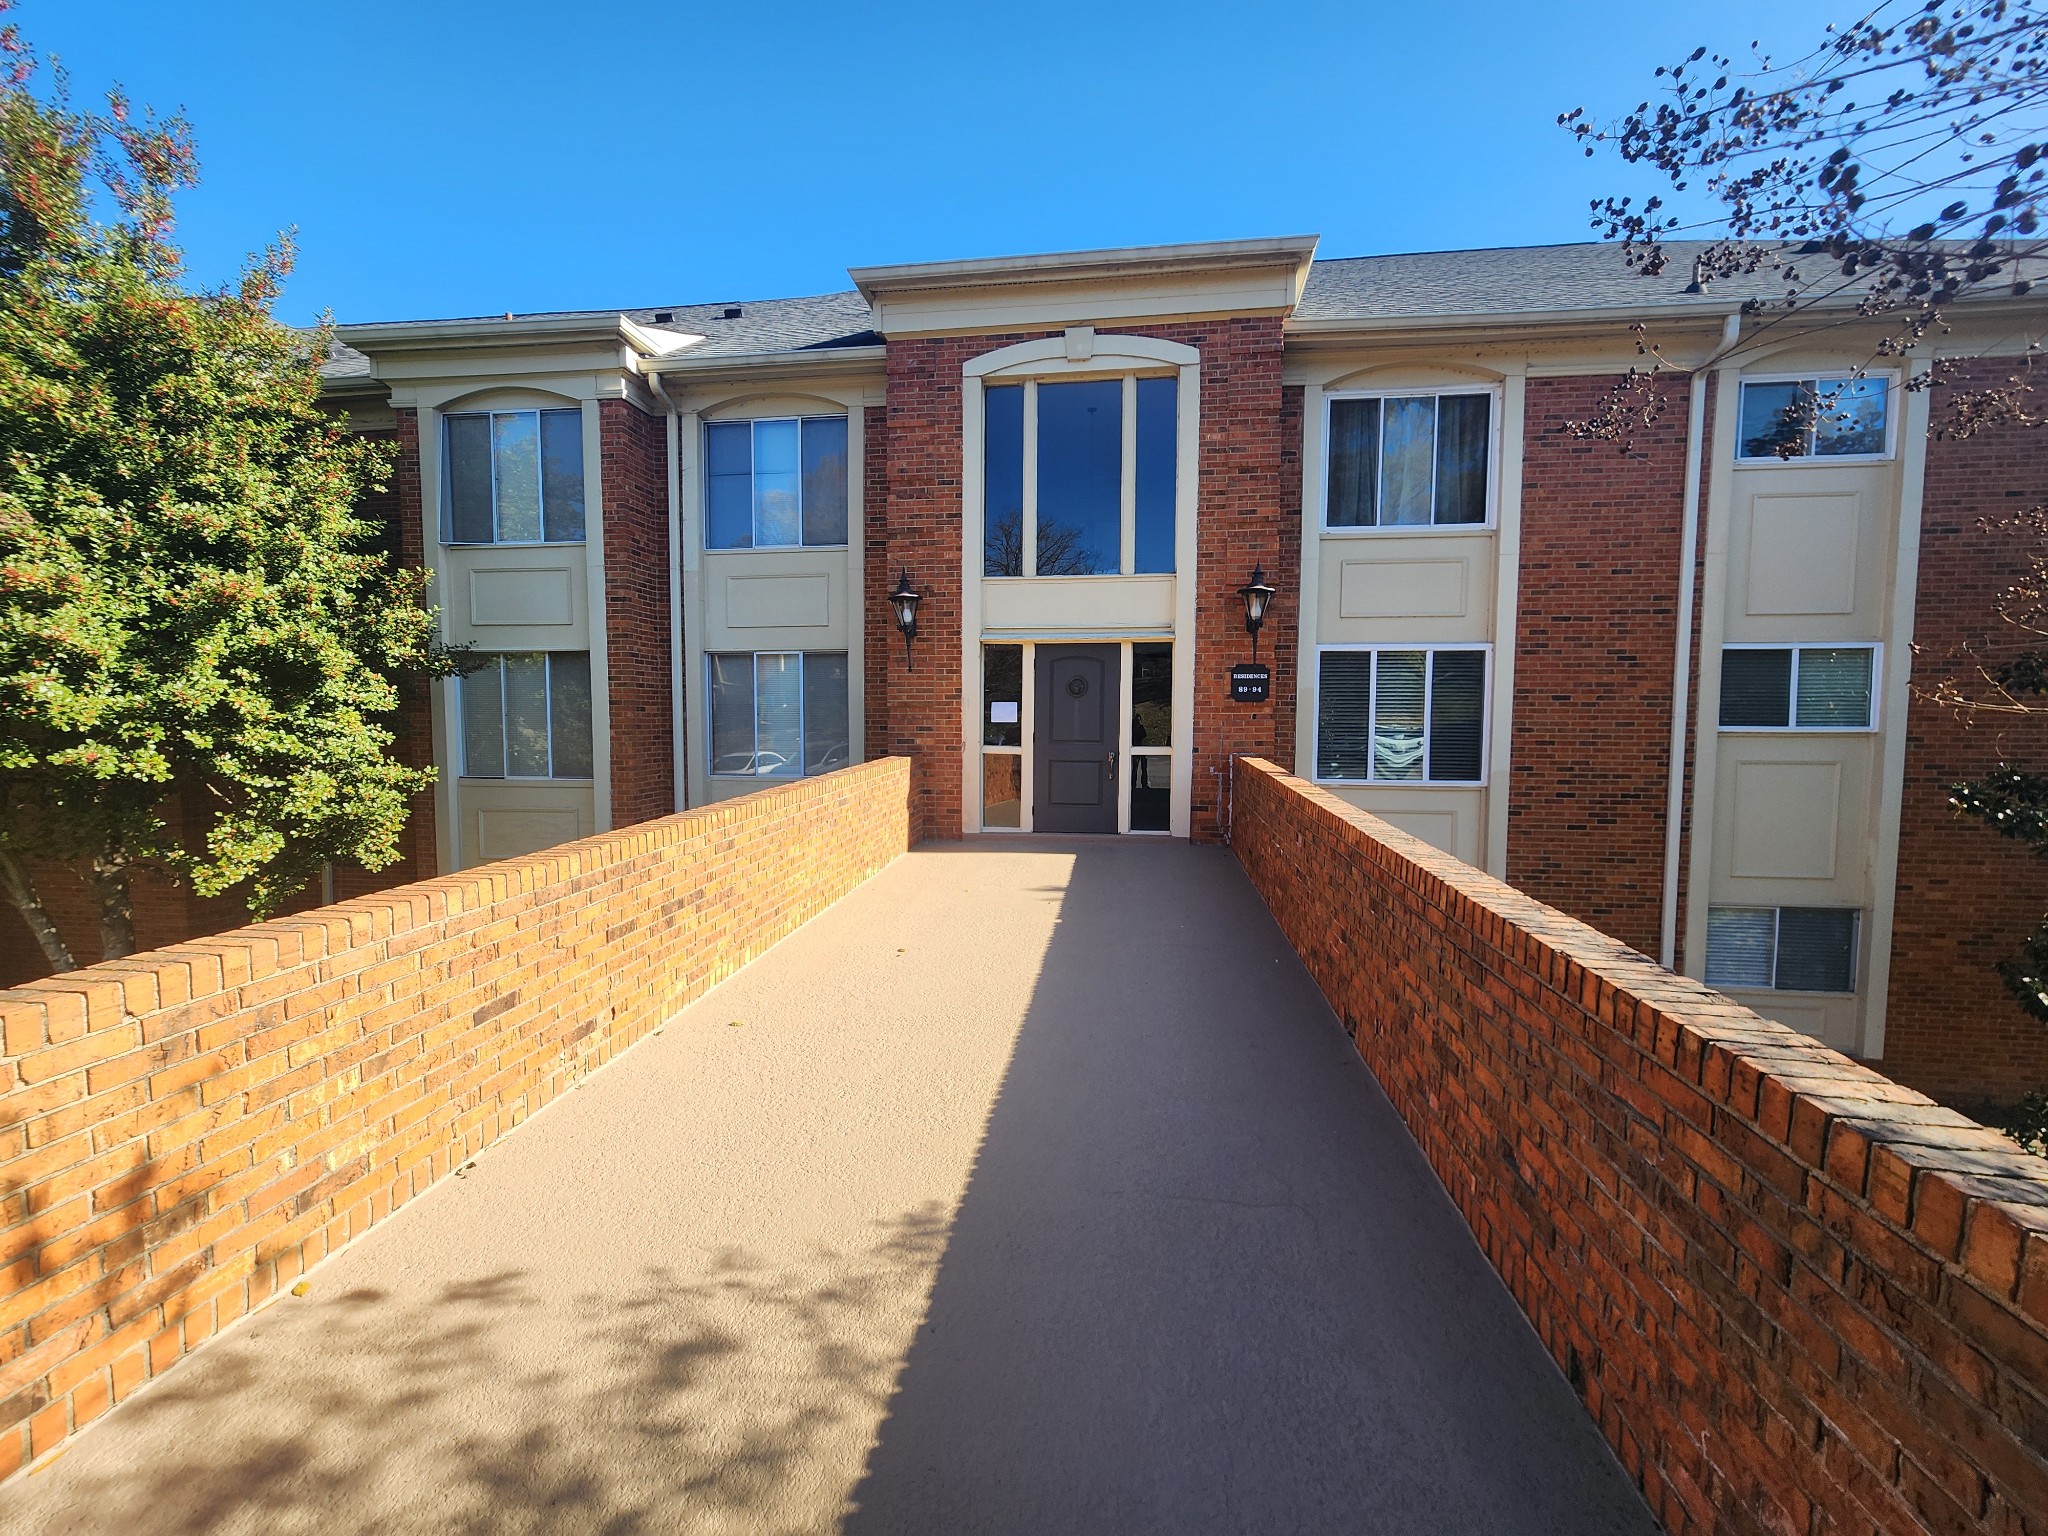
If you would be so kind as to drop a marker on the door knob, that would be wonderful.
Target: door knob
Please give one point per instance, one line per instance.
(1112, 767)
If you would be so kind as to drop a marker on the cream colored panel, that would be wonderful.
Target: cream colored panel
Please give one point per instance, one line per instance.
(538, 595)
(1451, 819)
(776, 599)
(1810, 551)
(503, 818)
(778, 602)
(1402, 589)
(1411, 588)
(1802, 554)
(1078, 605)
(1786, 820)
(504, 597)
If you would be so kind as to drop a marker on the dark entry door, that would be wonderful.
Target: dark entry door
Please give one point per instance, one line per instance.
(1073, 787)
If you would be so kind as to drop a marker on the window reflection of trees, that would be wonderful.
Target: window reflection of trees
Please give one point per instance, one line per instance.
(1063, 550)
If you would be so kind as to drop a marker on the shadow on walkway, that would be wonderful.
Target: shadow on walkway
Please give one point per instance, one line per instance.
(1202, 1280)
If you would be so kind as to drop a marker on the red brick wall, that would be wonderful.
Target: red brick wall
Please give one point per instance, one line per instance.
(1966, 897)
(1245, 503)
(1595, 630)
(184, 1132)
(634, 454)
(923, 533)
(1795, 1296)
(168, 913)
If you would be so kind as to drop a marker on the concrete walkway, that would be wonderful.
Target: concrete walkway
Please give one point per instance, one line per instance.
(1032, 1188)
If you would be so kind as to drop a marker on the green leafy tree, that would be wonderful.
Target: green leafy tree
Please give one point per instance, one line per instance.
(1888, 175)
(192, 613)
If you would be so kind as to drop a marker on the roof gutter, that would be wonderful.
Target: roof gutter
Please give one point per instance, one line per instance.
(796, 361)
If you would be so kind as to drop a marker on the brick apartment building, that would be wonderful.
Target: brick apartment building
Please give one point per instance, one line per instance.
(1668, 689)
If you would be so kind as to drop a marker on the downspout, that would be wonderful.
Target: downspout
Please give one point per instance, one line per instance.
(677, 744)
(1681, 679)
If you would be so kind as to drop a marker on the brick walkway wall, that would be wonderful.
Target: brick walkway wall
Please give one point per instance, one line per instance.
(184, 1132)
(1795, 1296)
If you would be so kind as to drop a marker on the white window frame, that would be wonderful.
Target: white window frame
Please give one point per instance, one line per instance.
(1876, 649)
(505, 724)
(1777, 918)
(448, 539)
(803, 740)
(1822, 378)
(1127, 468)
(1432, 528)
(1430, 649)
(750, 422)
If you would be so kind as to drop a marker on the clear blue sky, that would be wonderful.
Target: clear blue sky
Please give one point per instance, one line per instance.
(448, 157)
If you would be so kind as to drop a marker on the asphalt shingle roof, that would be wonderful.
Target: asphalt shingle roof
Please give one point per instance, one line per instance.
(1419, 286)
(1528, 279)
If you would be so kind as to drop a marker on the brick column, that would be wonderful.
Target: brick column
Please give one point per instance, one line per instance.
(634, 458)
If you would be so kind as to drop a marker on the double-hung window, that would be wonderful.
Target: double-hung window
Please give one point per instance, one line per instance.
(527, 716)
(1100, 498)
(778, 714)
(1421, 460)
(1798, 687)
(1401, 714)
(1783, 949)
(776, 483)
(1838, 416)
(513, 477)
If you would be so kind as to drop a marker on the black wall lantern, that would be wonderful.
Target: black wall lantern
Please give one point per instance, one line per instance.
(905, 600)
(1257, 594)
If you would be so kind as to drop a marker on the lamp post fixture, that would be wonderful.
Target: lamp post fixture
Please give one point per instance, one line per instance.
(1257, 594)
(905, 600)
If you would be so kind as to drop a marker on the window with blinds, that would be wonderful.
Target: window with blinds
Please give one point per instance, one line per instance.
(1401, 715)
(1782, 949)
(1798, 688)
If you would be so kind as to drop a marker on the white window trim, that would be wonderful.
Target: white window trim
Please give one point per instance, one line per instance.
(1876, 649)
(448, 485)
(1777, 917)
(1428, 707)
(1817, 460)
(803, 740)
(704, 448)
(1412, 530)
(505, 724)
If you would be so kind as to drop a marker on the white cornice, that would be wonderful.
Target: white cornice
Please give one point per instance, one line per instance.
(1067, 266)
(1146, 282)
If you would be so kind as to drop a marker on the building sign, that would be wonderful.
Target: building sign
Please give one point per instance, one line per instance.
(1250, 681)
